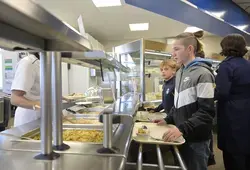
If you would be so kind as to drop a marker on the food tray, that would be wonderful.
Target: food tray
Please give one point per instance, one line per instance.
(75, 96)
(144, 116)
(153, 127)
(81, 120)
(95, 125)
(84, 126)
(36, 132)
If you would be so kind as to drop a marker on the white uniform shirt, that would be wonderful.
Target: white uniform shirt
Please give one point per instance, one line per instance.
(27, 78)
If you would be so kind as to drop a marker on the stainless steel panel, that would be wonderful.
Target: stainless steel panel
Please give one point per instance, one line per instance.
(35, 20)
(18, 160)
(95, 58)
(11, 37)
(128, 48)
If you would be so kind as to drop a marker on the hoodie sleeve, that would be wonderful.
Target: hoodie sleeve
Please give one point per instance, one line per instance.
(159, 108)
(203, 117)
(170, 119)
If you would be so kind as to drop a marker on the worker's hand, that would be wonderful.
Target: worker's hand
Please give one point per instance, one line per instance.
(160, 122)
(172, 134)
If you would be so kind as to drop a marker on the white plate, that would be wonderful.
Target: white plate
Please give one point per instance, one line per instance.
(158, 132)
(83, 103)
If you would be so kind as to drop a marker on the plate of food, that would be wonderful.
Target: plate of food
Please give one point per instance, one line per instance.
(158, 132)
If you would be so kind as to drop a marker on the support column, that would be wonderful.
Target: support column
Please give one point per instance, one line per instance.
(56, 95)
(46, 109)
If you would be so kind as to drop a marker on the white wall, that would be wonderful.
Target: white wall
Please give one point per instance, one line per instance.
(65, 79)
(78, 79)
(211, 45)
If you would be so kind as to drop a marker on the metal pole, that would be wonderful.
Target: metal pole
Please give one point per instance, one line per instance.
(142, 71)
(56, 94)
(107, 119)
(159, 156)
(107, 127)
(46, 109)
(56, 81)
(45, 101)
(114, 87)
(183, 167)
(153, 165)
(140, 159)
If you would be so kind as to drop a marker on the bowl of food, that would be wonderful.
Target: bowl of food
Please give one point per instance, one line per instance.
(143, 133)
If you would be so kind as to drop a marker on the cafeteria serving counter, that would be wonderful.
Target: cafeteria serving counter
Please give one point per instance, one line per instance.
(18, 153)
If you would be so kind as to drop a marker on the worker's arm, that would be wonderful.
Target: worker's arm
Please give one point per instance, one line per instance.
(18, 99)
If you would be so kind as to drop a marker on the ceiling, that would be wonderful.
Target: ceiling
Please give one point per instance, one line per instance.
(112, 23)
(245, 4)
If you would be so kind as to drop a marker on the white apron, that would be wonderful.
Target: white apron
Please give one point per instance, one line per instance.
(23, 116)
(27, 78)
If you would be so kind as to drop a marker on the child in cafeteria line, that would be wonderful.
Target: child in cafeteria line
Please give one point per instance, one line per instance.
(168, 69)
(193, 110)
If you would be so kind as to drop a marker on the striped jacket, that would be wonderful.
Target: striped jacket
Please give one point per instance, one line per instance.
(193, 110)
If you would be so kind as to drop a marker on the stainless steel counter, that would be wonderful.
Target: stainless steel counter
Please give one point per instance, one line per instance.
(19, 160)
(19, 154)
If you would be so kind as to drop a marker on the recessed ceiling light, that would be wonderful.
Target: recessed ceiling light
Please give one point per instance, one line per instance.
(242, 27)
(216, 14)
(192, 29)
(139, 27)
(107, 3)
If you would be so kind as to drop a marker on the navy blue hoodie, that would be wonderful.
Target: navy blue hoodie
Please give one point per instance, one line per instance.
(167, 96)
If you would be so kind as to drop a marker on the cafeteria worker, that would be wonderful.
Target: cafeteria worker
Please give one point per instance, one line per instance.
(25, 89)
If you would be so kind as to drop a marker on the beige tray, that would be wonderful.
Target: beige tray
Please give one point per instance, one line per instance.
(157, 131)
(145, 116)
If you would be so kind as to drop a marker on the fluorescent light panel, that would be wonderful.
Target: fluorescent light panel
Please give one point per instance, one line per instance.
(192, 29)
(217, 14)
(139, 27)
(242, 27)
(107, 3)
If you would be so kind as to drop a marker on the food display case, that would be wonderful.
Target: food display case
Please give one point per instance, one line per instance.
(143, 57)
